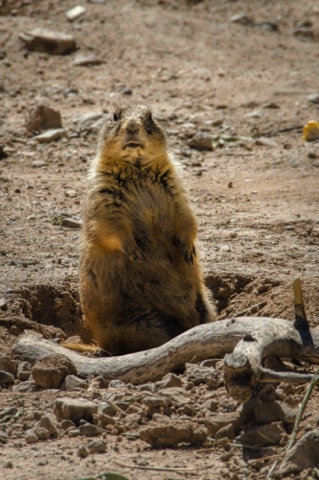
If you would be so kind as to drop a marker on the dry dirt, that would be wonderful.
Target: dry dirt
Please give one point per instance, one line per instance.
(247, 84)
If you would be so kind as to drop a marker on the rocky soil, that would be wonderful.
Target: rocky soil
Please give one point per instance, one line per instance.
(233, 83)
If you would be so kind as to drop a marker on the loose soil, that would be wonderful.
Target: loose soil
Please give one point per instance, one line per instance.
(246, 84)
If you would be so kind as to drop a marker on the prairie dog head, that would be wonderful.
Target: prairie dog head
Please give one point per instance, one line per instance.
(131, 135)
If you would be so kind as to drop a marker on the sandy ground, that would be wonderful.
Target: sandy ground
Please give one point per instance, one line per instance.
(250, 85)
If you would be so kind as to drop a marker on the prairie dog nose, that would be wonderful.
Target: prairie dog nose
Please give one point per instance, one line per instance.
(132, 127)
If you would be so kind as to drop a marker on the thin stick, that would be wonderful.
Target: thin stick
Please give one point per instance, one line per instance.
(214, 443)
(250, 309)
(302, 407)
(279, 130)
(235, 154)
(300, 311)
(272, 469)
(118, 409)
(266, 375)
(165, 469)
(264, 459)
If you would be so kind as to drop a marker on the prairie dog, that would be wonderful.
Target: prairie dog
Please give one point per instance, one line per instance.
(140, 279)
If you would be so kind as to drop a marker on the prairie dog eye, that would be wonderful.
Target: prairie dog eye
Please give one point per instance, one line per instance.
(116, 117)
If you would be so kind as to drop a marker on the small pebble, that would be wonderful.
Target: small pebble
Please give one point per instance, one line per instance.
(72, 382)
(89, 430)
(74, 409)
(49, 423)
(6, 377)
(242, 18)
(6, 363)
(101, 420)
(264, 141)
(65, 424)
(50, 135)
(38, 164)
(97, 446)
(41, 433)
(170, 380)
(85, 60)
(117, 384)
(75, 12)
(313, 98)
(27, 386)
(3, 306)
(3, 437)
(70, 193)
(254, 114)
(73, 432)
(30, 436)
(201, 141)
(8, 412)
(82, 451)
(294, 163)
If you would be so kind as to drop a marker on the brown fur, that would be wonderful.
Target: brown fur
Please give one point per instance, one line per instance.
(140, 279)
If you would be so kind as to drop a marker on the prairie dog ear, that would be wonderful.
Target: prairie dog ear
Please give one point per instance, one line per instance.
(149, 123)
(149, 116)
(117, 114)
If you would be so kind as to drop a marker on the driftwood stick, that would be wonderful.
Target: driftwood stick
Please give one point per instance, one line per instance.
(270, 376)
(300, 311)
(251, 339)
(243, 368)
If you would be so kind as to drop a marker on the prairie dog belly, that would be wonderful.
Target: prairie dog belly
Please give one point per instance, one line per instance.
(153, 215)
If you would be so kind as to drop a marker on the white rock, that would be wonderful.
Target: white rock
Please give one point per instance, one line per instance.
(70, 193)
(86, 59)
(254, 114)
(30, 436)
(86, 120)
(38, 164)
(313, 98)
(264, 141)
(242, 18)
(75, 12)
(50, 135)
(97, 446)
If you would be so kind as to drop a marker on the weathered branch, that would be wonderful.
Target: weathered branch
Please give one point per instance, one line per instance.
(251, 339)
(300, 311)
(269, 376)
